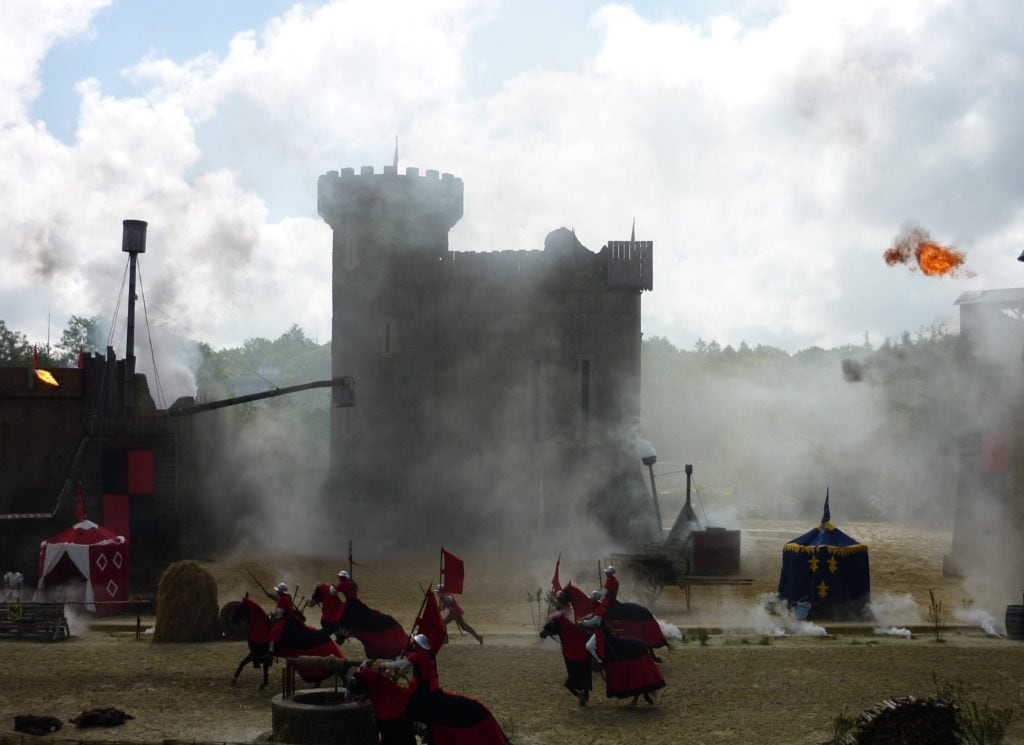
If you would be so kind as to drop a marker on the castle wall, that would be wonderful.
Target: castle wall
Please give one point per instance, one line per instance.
(52, 439)
(490, 386)
(988, 535)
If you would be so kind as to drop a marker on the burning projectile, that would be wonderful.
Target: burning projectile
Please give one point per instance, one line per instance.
(916, 244)
(47, 377)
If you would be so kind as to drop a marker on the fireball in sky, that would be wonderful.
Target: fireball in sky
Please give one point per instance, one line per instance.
(915, 244)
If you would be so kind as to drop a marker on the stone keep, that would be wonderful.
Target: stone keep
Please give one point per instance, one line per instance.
(490, 386)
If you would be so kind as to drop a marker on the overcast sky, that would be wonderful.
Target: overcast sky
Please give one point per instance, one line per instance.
(771, 150)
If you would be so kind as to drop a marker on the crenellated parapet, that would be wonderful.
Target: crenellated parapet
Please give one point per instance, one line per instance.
(346, 197)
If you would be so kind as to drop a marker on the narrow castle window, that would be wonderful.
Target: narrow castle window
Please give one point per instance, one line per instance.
(535, 401)
(585, 390)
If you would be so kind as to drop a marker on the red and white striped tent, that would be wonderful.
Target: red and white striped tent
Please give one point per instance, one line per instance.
(91, 552)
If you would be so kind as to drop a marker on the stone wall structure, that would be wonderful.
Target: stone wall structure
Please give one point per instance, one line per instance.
(55, 438)
(988, 533)
(492, 387)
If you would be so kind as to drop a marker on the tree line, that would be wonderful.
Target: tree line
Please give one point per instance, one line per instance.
(768, 431)
(81, 333)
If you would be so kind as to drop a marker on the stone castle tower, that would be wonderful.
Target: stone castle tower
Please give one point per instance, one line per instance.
(492, 388)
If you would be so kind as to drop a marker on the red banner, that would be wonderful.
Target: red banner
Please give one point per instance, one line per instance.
(453, 573)
(430, 623)
(556, 584)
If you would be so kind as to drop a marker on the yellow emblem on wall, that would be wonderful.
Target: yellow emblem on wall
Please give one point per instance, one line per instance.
(822, 589)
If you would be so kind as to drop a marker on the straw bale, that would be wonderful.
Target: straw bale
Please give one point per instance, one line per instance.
(186, 605)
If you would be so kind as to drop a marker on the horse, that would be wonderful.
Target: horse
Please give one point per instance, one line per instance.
(381, 635)
(257, 625)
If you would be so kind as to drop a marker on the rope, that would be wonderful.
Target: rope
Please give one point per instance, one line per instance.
(107, 371)
(237, 361)
(149, 335)
(696, 491)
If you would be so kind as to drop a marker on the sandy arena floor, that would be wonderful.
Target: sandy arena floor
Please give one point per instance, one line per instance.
(743, 686)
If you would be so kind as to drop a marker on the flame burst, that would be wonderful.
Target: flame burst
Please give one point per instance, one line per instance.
(47, 377)
(932, 259)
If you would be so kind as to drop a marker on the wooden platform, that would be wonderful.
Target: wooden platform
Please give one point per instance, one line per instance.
(45, 621)
(684, 583)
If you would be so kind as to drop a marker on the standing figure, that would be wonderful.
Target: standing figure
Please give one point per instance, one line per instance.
(258, 633)
(573, 638)
(346, 586)
(455, 613)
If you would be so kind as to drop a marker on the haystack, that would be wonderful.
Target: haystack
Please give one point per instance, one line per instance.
(186, 605)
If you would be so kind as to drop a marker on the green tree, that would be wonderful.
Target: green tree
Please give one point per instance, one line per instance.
(81, 333)
(14, 347)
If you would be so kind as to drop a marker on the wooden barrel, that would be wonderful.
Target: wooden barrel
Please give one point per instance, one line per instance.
(1015, 622)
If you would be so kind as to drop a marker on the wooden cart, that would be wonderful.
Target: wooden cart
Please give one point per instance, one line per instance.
(660, 566)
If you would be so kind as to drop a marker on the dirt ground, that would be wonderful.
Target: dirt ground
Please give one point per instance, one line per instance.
(747, 684)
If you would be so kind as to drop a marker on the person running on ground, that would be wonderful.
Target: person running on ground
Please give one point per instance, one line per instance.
(455, 613)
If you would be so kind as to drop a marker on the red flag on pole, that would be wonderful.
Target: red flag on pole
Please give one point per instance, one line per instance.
(556, 584)
(453, 573)
(80, 504)
(81, 357)
(430, 623)
(581, 604)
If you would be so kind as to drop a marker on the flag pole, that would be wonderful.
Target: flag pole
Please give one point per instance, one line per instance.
(440, 575)
(423, 604)
(350, 558)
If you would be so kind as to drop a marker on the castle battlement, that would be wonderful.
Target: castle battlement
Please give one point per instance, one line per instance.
(344, 197)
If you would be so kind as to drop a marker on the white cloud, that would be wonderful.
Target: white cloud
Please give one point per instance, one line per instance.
(771, 158)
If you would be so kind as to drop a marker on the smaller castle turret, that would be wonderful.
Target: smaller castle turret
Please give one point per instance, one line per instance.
(391, 212)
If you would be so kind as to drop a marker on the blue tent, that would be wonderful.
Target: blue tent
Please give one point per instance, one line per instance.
(828, 569)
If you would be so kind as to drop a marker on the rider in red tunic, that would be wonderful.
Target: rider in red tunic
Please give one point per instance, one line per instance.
(331, 607)
(346, 586)
(611, 586)
(284, 610)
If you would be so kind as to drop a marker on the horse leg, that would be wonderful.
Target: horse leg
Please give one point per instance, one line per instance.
(241, 665)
